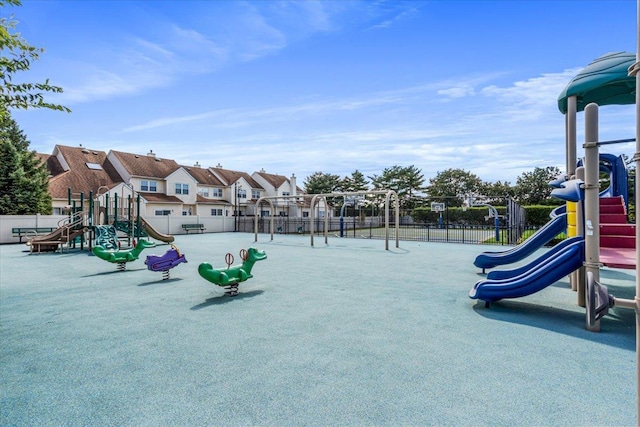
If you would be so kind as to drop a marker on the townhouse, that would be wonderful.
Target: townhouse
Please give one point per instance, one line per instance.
(165, 187)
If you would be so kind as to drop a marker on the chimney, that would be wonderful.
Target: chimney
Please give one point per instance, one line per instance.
(294, 186)
(219, 166)
(197, 165)
(151, 153)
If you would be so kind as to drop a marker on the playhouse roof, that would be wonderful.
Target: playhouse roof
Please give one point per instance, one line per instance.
(605, 81)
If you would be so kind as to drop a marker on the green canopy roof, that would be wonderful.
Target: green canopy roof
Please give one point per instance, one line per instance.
(605, 81)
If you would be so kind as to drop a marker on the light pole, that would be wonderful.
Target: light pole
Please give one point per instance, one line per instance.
(235, 209)
(237, 206)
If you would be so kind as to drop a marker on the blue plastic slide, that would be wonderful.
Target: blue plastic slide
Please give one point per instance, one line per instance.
(557, 225)
(545, 271)
(506, 274)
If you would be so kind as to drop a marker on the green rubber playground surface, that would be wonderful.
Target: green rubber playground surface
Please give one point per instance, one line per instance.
(344, 334)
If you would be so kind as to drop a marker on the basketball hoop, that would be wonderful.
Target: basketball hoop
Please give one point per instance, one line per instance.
(437, 207)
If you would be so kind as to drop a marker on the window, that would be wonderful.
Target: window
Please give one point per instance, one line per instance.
(286, 193)
(265, 213)
(305, 214)
(204, 192)
(242, 194)
(255, 194)
(182, 188)
(217, 192)
(165, 212)
(216, 212)
(94, 166)
(282, 213)
(148, 185)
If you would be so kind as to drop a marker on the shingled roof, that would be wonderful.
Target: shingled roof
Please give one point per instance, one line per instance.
(148, 166)
(203, 176)
(81, 169)
(206, 201)
(275, 180)
(159, 198)
(230, 176)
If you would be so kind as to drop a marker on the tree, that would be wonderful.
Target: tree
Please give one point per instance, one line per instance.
(532, 188)
(496, 193)
(17, 55)
(454, 185)
(321, 183)
(407, 182)
(355, 182)
(24, 179)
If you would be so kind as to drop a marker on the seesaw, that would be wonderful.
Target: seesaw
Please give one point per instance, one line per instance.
(230, 277)
(166, 262)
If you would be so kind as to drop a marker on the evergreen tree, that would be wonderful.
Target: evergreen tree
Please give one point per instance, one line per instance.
(406, 181)
(454, 185)
(355, 182)
(24, 180)
(321, 183)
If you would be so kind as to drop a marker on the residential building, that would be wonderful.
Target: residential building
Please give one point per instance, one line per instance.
(164, 187)
(80, 170)
(242, 189)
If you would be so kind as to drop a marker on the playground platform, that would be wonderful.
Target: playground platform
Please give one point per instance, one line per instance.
(344, 334)
(618, 258)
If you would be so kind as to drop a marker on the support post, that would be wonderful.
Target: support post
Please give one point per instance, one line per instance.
(591, 202)
(635, 69)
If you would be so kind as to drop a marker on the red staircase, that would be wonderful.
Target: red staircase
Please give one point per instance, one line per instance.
(614, 230)
(617, 237)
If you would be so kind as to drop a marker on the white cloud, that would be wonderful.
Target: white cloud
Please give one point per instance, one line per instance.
(457, 92)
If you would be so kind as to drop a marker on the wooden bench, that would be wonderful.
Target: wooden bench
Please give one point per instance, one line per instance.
(21, 232)
(193, 227)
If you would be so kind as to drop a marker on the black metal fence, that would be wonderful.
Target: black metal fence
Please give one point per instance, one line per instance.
(373, 228)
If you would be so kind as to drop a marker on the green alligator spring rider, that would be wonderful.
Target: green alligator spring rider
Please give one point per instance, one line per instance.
(230, 277)
(107, 247)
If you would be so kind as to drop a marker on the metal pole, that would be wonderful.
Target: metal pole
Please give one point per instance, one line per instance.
(115, 208)
(572, 158)
(82, 225)
(90, 220)
(106, 208)
(138, 219)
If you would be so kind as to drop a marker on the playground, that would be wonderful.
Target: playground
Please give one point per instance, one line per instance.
(336, 331)
(344, 333)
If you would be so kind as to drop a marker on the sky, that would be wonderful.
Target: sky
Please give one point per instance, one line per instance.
(297, 87)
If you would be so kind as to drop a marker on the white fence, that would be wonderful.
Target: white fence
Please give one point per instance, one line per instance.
(163, 224)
